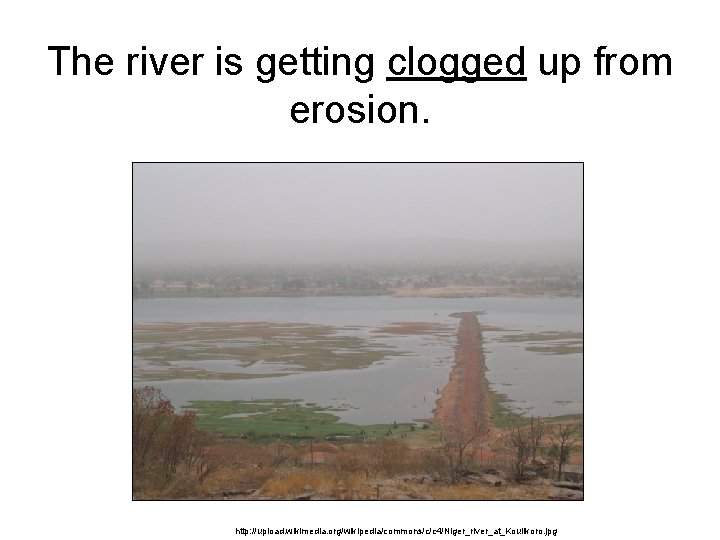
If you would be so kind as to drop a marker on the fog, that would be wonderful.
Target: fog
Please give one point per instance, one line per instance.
(255, 213)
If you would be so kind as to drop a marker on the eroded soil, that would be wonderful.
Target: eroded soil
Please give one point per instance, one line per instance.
(463, 404)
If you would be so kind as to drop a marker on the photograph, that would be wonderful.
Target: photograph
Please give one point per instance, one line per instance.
(357, 331)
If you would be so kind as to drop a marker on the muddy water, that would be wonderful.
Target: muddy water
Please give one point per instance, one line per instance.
(400, 388)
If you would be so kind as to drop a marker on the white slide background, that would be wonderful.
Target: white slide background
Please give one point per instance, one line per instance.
(649, 145)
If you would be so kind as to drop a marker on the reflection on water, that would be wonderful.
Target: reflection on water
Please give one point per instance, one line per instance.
(400, 388)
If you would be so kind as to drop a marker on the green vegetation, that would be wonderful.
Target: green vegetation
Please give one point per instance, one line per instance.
(282, 348)
(503, 417)
(556, 349)
(548, 342)
(271, 419)
(576, 421)
(338, 279)
(170, 373)
(174, 457)
(416, 329)
(542, 336)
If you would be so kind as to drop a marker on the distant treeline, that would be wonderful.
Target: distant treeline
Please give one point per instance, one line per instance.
(365, 280)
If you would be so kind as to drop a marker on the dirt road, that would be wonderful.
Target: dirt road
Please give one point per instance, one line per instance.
(463, 404)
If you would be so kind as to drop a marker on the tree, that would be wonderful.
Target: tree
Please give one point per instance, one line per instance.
(165, 443)
(458, 448)
(520, 444)
(536, 432)
(564, 439)
(151, 411)
(199, 460)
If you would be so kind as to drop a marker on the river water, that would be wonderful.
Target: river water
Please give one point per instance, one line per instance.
(399, 388)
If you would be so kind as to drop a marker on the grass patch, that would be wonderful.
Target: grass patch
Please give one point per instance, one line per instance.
(283, 348)
(502, 416)
(556, 349)
(556, 343)
(576, 420)
(171, 373)
(505, 418)
(415, 329)
(541, 336)
(291, 420)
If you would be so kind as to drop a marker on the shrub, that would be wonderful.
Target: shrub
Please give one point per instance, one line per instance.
(389, 456)
(164, 443)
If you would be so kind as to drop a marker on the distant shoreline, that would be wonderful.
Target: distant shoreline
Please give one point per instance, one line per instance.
(420, 293)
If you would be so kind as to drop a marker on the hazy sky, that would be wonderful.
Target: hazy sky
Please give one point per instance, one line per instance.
(279, 203)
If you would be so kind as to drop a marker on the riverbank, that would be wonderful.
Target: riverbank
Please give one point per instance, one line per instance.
(430, 292)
